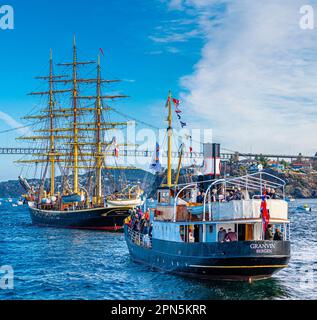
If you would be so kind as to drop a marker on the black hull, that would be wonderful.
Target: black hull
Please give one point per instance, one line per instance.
(221, 261)
(108, 219)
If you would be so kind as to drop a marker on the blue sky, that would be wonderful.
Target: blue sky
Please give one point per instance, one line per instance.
(243, 68)
(122, 28)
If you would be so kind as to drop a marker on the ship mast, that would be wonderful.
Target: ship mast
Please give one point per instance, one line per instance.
(99, 155)
(49, 113)
(169, 142)
(52, 140)
(75, 130)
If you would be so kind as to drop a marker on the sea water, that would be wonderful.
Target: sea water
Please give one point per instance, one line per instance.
(51, 263)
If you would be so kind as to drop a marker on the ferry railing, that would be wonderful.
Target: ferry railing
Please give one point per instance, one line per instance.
(257, 182)
(209, 202)
(138, 238)
(251, 182)
(177, 196)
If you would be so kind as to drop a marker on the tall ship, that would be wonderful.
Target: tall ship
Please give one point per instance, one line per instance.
(73, 133)
(227, 229)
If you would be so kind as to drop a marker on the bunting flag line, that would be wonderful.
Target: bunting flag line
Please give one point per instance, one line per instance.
(178, 112)
(176, 102)
(101, 50)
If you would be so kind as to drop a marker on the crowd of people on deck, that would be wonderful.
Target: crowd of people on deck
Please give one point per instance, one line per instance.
(220, 195)
(139, 222)
(233, 194)
(271, 193)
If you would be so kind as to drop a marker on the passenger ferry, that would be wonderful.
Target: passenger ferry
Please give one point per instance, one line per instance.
(194, 239)
(185, 235)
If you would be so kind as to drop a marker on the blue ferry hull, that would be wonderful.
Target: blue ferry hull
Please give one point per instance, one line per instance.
(109, 219)
(245, 260)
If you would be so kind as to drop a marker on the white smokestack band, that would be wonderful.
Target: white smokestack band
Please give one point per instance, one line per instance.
(211, 159)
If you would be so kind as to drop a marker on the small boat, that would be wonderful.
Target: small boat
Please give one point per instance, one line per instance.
(125, 202)
(289, 199)
(305, 208)
(20, 202)
(129, 197)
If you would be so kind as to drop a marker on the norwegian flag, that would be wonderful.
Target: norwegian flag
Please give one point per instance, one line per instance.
(264, 212)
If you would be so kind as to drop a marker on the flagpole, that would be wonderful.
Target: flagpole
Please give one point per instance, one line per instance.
(169, 134)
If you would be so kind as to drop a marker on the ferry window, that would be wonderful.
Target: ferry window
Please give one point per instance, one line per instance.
(245, 232)
(196, 232)
(241, 232)
(187, 233)
(211, 228)
(182, 233)
(164, 196)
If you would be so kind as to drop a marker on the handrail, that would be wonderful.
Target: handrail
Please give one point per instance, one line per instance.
(176, 198)
(254, 181)
(134, 235)
(208, 191)
(197, 182)
(259, 195)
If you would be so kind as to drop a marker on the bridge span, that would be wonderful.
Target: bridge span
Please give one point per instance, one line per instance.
(147, 154)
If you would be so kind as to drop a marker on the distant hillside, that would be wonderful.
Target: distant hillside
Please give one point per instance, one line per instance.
(12, 188)
(299, 185)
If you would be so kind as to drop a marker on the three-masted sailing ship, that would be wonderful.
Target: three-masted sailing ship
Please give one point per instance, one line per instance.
(72, 138)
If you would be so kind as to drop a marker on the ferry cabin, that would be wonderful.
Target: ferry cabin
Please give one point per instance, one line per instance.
(243, 217)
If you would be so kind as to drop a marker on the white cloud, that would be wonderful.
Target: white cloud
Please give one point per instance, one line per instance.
(170, 37)
(13, 123)
(256, 80)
